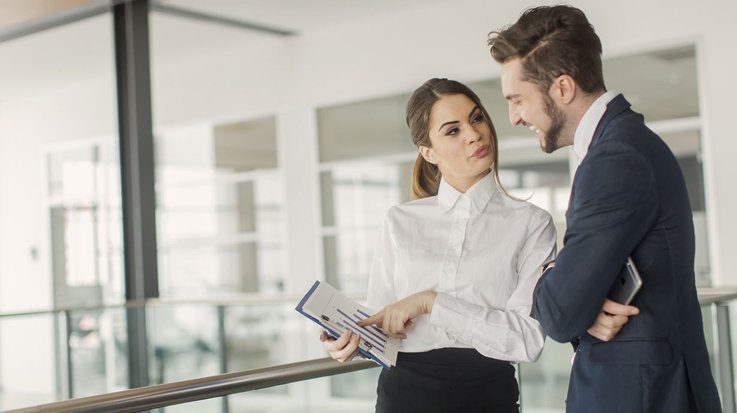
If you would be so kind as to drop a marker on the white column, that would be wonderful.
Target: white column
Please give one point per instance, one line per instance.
(717, 60)
(298, 161)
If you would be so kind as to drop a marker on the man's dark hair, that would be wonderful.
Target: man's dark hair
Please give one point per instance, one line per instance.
(552, 41)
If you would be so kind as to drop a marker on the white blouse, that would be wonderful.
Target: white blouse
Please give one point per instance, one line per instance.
(481, 252)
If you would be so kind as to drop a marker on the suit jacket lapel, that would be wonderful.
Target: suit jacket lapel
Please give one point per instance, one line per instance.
(617, 105)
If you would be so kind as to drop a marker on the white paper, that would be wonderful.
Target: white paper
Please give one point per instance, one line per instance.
(339, 313)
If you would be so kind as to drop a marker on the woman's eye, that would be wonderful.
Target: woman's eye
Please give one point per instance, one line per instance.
(452, 131)
(478, 118)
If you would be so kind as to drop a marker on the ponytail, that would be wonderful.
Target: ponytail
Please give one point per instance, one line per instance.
(425, 179)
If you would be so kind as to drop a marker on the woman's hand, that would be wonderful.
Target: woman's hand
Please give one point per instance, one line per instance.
(395, 319)
(344, 348)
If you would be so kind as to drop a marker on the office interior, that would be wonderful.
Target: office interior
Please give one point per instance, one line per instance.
(278, 143)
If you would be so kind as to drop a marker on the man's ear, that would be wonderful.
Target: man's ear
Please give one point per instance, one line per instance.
(428, 154)
(563, 89)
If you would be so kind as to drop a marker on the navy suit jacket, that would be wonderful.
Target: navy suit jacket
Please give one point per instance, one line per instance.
(629, 199)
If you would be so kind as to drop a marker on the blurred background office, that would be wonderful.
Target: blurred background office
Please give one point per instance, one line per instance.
(278, 143)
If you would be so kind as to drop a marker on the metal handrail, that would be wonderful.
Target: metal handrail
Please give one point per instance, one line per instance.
(185, 391)
(236, 299)
(713, 295)
(707, 295)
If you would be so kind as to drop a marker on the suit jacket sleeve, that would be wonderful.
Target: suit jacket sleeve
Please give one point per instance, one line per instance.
(614, 205)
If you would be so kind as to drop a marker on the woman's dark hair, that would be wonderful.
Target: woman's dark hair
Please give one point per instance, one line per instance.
(425, 175)
(552, 41)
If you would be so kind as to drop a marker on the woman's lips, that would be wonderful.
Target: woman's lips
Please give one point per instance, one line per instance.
(481, 152)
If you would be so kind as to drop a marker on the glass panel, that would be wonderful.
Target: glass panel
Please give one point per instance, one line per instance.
(72, 173)
(243, 146)
(348, 259)
(60, 198)
(86, 224)
(546, 185)
(214, 209)
(184, 342)
(219, 190)
(544, 384)
(225, 268)
(219, 212)
(98, 351)
(355, 198)
(710, 334)
(28, 363)
(733, 338)
(661, 84)
(358, 195)
(364, 129)
(358, 385)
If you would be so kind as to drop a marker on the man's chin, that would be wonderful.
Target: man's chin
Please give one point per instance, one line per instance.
(548, 147)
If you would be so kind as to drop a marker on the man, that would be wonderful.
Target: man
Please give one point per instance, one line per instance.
(628, 199)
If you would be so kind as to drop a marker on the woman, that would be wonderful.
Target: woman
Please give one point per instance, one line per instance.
(455, 269)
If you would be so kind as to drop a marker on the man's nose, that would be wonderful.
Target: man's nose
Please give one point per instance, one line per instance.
(514, 117)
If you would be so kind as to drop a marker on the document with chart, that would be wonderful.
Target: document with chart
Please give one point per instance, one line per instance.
(337, 313)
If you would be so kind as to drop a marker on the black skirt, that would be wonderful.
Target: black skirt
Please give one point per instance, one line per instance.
(447, 380)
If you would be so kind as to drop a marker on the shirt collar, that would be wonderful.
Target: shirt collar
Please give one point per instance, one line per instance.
(479, 193)
(590, 120)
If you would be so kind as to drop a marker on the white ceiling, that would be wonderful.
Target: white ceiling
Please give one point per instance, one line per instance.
(300, 16)
(661, 84)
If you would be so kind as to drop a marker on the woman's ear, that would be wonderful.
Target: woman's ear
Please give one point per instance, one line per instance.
(428, 154)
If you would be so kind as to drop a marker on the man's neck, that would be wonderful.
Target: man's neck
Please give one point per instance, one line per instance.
(579, 108)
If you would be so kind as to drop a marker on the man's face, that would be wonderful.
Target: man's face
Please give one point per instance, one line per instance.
(532, 108)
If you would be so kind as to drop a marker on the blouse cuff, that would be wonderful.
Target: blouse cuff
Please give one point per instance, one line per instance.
(452, 316)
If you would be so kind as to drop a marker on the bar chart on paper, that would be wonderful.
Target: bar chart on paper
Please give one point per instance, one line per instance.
(337, 313)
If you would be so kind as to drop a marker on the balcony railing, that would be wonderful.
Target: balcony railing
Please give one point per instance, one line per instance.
(715, 304)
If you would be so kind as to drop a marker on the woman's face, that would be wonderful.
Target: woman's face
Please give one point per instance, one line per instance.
(460, 138)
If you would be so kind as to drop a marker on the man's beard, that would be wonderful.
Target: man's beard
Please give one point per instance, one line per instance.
(550, 141)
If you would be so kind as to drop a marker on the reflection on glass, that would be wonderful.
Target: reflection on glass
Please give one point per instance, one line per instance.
(97, 347)
(184, 342)
(355, 198)
(358, 385)
(348, 260)
(364, 129)
(86, 223)
(220, 202)
(226, 268)
(358, 195)
(28, 366)
(544, 384)
(546, 185)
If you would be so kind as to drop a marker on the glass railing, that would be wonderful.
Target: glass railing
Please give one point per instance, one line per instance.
(244, 354)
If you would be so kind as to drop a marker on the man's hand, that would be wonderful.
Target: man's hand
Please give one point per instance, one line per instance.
(344, 348)
(612, 317)
(395, 319)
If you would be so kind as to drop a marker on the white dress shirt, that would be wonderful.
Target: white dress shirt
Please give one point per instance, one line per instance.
(590, 120)
(481, 252)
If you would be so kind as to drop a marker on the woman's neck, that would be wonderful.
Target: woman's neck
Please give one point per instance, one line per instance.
(463, 183)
